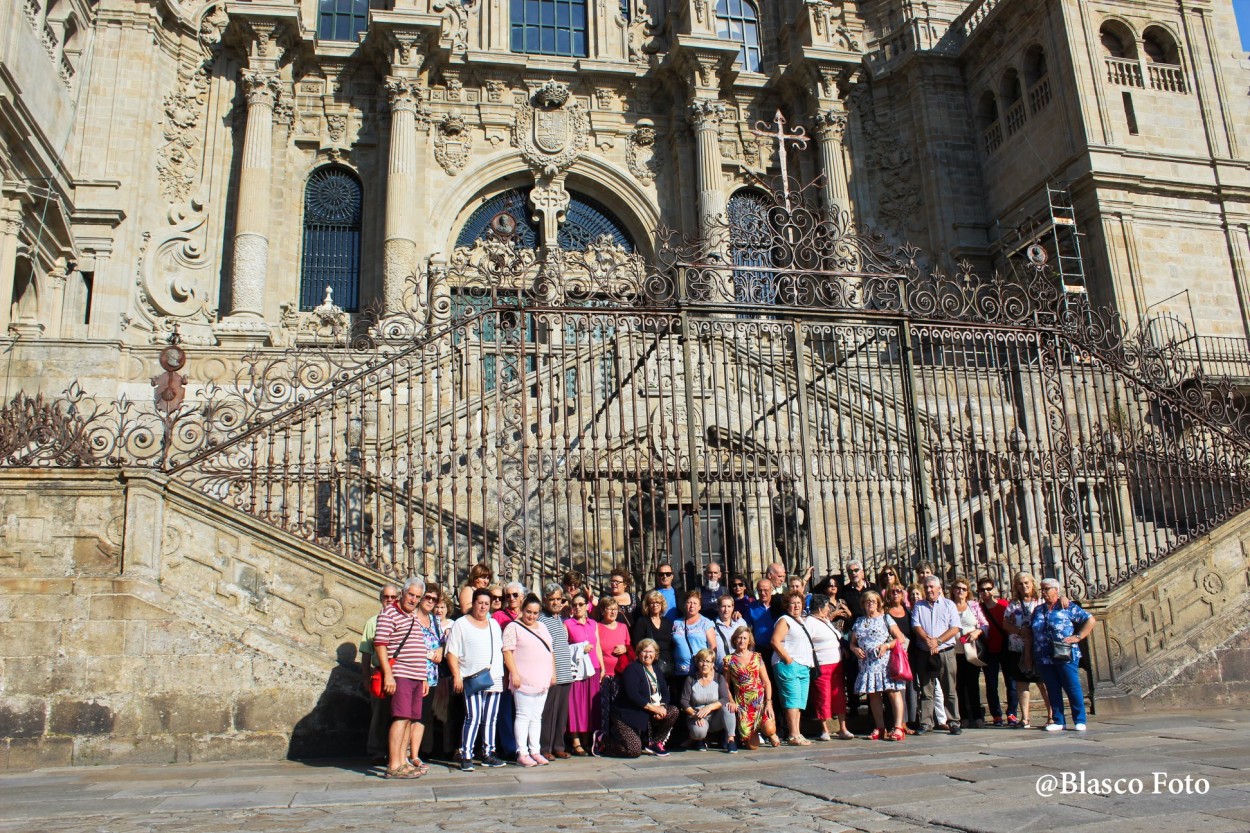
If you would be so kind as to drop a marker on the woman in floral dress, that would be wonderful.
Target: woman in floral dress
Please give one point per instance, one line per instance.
(752, 691)
(872, 637)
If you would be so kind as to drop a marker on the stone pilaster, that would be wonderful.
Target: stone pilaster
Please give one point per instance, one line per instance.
(251, 237)
(400, 248)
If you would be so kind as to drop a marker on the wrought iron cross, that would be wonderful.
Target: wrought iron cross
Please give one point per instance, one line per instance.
(798, 137)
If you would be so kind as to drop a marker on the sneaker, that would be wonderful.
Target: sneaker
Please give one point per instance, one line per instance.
(701, 746)
(824, 736)
(998, 721)
(658, 750)
(526, 760)
(1054, 727)
(731, 748)
(1013, 721)
(492, 762)
(1079, 727)
(540, 760)
(647, 750)
(956, 729)
(466, 765)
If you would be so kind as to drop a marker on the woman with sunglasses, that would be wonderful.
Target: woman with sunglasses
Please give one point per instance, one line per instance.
(584, 695)
(574, 582)
(887, 575)
(432, 629)
(972, 625)
(513, 594)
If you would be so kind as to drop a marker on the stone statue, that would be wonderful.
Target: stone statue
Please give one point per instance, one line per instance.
(790, 525)
(647, 515)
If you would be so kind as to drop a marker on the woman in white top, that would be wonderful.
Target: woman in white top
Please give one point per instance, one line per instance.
(829, 697)
(474, 645)
(793, 658)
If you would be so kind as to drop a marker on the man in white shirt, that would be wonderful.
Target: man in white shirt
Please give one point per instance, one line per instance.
(935, 625)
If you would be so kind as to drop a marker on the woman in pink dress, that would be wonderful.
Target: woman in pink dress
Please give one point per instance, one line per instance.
(584, 694)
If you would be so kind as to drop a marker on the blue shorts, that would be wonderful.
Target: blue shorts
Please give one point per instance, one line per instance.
(794, 680)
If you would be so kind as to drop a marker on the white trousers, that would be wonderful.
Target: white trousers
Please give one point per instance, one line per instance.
(528, 724)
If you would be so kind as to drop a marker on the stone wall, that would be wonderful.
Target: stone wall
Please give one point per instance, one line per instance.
(1177, 635)
(143, 622)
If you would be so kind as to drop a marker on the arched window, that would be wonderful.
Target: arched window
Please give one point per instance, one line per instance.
(987, 118)
(549, 27)
(737, 20)
(1117, 41)
(585, 221)
(332, 208)
(1034, 65)
(751, 243)
(342, 19)
(1160, 47)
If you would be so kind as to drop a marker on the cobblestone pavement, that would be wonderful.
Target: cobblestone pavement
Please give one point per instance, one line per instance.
(984, 780)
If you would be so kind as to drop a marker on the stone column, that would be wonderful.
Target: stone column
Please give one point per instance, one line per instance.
(251, 236)
(400, 248)
(705, 117)
(57, 279)
(830, 132)
(10, 227)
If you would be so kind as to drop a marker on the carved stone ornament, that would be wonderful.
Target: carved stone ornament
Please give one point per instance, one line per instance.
(640, 153)
(706, 112)
(406, 94)
(456, 14)
(551, 201)
(175, 275)
(261, 87)
(550, 130)
(177, 163)
(453, 144)
(336, 126)
(831, 124)
(495, 90)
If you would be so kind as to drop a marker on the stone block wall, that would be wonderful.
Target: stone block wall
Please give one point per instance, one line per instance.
(133, 630)
(1177, 635)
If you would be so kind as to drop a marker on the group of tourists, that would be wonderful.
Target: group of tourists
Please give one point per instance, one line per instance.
(499, 674)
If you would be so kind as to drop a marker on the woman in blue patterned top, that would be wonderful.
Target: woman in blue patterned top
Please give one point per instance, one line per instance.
(1058, 625)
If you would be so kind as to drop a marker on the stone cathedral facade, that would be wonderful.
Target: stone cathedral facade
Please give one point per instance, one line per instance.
(216, 167)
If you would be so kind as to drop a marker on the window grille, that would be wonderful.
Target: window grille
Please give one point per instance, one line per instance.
(752, 240)
(332, 208)
(549, 27)
(737, 20)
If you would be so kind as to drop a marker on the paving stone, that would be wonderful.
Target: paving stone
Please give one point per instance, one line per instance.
(1180, 823)
(226, 801)
(395, 792)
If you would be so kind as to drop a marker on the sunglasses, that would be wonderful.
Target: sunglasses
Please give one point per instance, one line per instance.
(987, 589)
(666, 575)
(429, 598)
(495, 598)
(738, 584)
(514, 595)
(390, 598)
(579, 604)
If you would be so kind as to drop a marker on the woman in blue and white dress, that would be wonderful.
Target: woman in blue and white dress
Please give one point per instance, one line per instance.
(872, 637)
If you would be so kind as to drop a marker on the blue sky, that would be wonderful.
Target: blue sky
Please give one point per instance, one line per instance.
(1242, 9)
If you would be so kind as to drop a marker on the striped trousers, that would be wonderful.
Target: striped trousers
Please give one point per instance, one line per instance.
(481, 711)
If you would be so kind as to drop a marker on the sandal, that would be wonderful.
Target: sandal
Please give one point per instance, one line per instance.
(798, 740)
(846, 735)
(774, 742)
(402, 772)
(909, 730)
(896, 735)
(876, 734)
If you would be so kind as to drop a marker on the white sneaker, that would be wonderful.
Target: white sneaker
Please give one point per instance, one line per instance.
(1080, 727)
(1054, 727)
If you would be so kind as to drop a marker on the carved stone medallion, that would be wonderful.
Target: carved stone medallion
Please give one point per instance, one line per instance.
(453, 144)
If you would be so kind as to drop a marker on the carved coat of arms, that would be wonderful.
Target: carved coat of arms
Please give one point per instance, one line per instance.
(550, 129)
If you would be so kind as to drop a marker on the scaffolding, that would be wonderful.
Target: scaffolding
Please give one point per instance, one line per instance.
(1055, 230)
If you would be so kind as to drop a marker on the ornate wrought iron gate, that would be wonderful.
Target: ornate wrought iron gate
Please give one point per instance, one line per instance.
(593, 410)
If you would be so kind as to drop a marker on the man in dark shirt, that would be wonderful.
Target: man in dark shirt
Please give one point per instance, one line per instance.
(850, 593)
